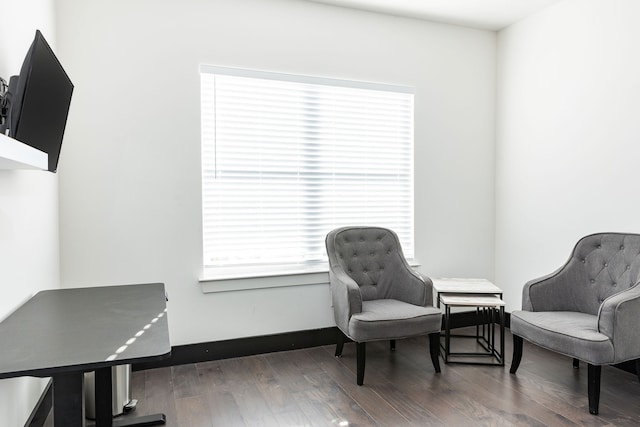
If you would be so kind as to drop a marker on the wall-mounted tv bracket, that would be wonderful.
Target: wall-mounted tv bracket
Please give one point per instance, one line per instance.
(4, 104)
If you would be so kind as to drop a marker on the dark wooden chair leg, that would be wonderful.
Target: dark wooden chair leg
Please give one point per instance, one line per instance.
(361, 350)
(339, 344)
(638, 368)
(593, 373)
(576, 363)
(392, 345)
(517, 354)
(434, 350)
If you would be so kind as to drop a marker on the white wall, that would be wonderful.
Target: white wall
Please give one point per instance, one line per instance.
(29, 249)
(568, 134)
(130, 172)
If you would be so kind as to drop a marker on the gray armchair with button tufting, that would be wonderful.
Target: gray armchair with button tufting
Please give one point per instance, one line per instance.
(589, 309)
(376, 295)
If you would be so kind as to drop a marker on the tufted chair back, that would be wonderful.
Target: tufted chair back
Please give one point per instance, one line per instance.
(370, 256)
(601, 265)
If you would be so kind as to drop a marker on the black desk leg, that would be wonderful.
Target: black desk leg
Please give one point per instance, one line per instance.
(104, 398)
(67, 399)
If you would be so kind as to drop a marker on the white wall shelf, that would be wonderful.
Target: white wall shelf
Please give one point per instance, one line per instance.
(16, 155)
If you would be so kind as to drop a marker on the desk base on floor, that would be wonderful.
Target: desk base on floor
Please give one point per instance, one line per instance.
(104, 400)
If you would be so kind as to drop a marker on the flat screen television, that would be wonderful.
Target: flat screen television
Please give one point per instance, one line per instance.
(40, 101)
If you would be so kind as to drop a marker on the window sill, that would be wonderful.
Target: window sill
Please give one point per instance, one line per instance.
(217, 280)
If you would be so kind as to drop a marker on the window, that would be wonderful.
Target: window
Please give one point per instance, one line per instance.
(286, 158)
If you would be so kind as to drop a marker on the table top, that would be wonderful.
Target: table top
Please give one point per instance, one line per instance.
(465, 286)
(472, 300)
(83, 329)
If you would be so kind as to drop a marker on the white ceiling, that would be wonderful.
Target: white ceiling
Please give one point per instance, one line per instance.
(482, 14)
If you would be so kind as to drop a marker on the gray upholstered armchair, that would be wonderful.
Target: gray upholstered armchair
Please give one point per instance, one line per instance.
(589, 309)
(375, 293)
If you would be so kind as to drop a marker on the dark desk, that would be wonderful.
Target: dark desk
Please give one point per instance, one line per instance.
(63, 333)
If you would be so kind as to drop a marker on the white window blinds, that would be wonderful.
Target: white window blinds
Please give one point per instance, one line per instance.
(285, 159)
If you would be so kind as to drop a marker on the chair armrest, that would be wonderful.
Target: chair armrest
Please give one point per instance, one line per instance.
(618, 318)
(409, 286)
(345, 296)
(551, 292)
(547, 282)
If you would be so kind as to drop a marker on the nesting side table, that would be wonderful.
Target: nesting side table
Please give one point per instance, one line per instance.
(487, 300)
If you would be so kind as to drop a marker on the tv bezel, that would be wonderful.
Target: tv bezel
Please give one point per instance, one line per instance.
(38, 113)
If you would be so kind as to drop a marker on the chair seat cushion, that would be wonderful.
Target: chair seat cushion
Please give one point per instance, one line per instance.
(567, 332)
(385, 319)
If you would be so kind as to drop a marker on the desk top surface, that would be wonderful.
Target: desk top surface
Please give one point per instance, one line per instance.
(84, 329)
(465, 286)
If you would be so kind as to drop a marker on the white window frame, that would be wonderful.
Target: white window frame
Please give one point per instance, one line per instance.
(212, 176)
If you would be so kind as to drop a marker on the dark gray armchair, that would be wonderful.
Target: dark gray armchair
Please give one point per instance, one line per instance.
(589, 309)
(375, 293)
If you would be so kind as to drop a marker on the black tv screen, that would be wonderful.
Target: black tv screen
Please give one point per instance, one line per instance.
(41, 100)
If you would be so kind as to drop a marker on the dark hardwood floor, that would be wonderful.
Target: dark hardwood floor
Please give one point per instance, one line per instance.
(311, 387)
